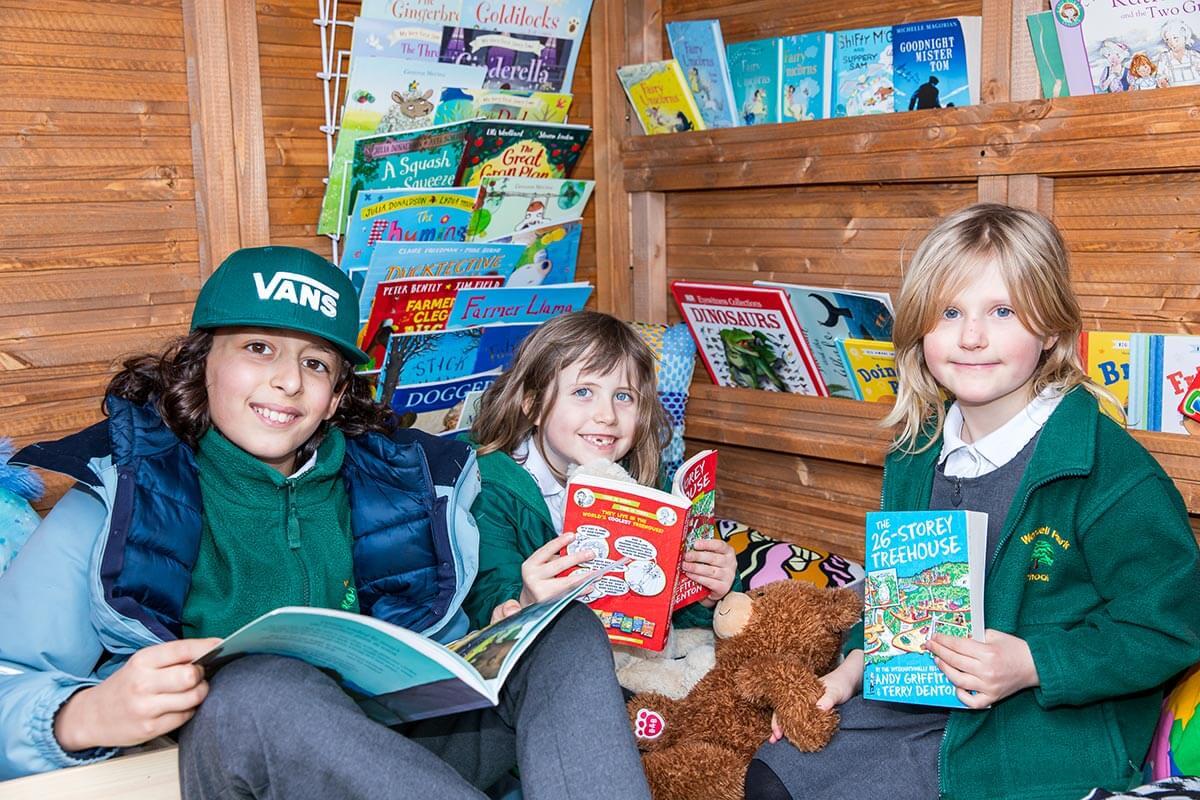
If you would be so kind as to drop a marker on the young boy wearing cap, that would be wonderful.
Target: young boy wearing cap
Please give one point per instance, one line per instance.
(245, 469)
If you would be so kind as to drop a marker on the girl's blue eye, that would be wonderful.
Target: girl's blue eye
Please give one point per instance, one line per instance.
(624, 397)
(582, 391)
(1004, 312)
(950, 313)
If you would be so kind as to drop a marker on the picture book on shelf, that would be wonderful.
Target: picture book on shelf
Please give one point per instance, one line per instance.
(522, 61)
(754, 73)
(437, 407)
(862, 72)
(700, 50)
(397, 675)
(870, 368)
(438, 356)
(826, 315)
(1044, 37)
(638, 536)
(1105, 357)
(659, 94)
(509, 204)
(516, 304)
(405, 215)
(935, 63)
(524, 149)
(748, 336)
(551, 253)
(924, 576)
(391, 38)
(1174, 362)
(806, 68)
(384, 95)
(460, 105)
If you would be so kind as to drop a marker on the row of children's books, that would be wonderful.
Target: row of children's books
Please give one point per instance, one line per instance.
(707, 84)
(1083, 47)
(1155, 376)
(424, 77)
(788, 338)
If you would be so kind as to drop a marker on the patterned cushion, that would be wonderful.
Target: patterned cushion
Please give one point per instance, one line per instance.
(676, 353)
(762, 559)
(1175, 749)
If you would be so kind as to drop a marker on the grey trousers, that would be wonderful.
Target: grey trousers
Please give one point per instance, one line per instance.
(278, 728)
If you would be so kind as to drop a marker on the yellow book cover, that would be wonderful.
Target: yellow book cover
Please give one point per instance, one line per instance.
(871, 367)
(659, 94)
(1105, 356)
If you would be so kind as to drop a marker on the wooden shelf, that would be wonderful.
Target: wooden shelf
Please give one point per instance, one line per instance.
(1152, 131)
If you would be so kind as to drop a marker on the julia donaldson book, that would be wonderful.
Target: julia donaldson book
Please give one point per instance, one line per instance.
(638, 536)
(862, 72)
(405, 215)
(659, 94)
(523, 149)
(871, 368)
(437, 407)
(806, 68)
(935, 63)
(754, 71)
(516, 304)
(748, 336)
(438, 356)
(523, 61)
(700, 50)
(459, 105)
(510, 204)
(551, 253)
(924, 576)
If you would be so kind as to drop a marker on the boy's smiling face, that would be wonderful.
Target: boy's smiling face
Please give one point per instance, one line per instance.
(268, 390)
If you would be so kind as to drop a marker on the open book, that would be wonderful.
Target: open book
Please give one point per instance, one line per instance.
(397, 675)
(651, 530)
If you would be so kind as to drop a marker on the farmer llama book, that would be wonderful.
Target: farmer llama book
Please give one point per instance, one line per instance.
(659, 94)
(924, 576)
(700, 50)
(935, 63)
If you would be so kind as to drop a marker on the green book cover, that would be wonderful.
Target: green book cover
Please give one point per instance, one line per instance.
(1048, 55)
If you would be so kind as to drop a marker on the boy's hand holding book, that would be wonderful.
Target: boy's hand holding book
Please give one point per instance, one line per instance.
(984, 672)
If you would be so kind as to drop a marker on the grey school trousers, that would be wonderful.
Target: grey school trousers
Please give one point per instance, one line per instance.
(278, 728)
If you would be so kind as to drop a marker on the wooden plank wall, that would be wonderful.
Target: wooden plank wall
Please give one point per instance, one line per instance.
(98, 242)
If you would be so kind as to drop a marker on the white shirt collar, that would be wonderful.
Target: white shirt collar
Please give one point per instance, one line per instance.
(553, 492)
(963, 460)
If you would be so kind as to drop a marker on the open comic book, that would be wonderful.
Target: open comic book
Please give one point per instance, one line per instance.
(397, 675)
(650, 530)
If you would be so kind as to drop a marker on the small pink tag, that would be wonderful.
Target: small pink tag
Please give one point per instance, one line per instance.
(648, 725)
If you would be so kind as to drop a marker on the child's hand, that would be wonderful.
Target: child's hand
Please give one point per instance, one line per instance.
(984, 672)
(154, 692)
(539, 572)
(843, 682)
(712, 564)
(505, 610)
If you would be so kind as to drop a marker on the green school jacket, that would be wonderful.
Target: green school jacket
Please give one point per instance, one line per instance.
(1108, 620)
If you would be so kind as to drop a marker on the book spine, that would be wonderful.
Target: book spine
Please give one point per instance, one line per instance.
(1154, 423)
(851, 377)
(827, 78)
(1075, 58)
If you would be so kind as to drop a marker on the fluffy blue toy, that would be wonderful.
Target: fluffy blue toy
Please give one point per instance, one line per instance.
(18, 485)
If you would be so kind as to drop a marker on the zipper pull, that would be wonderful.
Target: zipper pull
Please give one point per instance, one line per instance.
(293, 518)
(957, 491)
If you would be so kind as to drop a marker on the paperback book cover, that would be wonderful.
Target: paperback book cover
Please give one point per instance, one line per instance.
(1046, 52)
(659, 94)
(826, 315)
(935, 63)
(410, 304)
(699, 49)
(437, 407)
(638, 536)
(1105, 357)
(440, 356)
(522, 61)
(805, 79)
(924, 576)
(862, 72)
(748, 336)
(405, 215)
(460, 105)
(871, 367)
(394, 674)
(754, 71)
(391, 38)
(427, 158)
(384, 95)
(1174, 363)
(510, 204)
(516, 304)
(524, 149)
(551, 254)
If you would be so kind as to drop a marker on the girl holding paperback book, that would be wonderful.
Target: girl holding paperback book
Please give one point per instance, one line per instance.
(246, 469)
(582, 387)
(1092, 564)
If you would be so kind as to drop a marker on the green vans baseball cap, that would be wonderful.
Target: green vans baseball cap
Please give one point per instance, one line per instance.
(289, 288)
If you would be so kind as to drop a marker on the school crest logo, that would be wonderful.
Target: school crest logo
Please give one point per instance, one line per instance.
(1045, 545)
(299, 290)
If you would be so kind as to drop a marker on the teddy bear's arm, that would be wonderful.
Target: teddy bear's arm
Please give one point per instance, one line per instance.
(651, 713)
(791, 689)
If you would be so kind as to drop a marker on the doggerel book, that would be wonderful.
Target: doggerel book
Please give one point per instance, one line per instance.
(924, 576)
(638, 535)
(397, 675)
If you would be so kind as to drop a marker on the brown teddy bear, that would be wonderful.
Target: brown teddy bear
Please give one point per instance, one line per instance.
(772, 646)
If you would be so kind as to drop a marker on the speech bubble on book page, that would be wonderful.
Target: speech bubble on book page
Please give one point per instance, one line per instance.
(636, 548)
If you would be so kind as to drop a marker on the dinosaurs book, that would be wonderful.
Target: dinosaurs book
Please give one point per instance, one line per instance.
(924, 576)
(748, 336)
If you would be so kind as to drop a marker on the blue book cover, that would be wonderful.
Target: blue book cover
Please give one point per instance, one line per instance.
(439, 356)
(754, 72)
(807, 66)
(392, 38)
(700, 50)
(405, 215)
(935, 63)
(521, 61)
(550, 256)
(924, 576)
(862, 72)
(516, 304)
(437, 407)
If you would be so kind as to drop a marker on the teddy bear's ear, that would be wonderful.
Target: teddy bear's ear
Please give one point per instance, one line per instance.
(845, 609)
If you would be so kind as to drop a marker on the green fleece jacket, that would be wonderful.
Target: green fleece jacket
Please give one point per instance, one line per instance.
(513, 522)
(1113, 617)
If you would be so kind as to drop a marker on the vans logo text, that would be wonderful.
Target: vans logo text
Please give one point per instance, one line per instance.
(299, 290)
